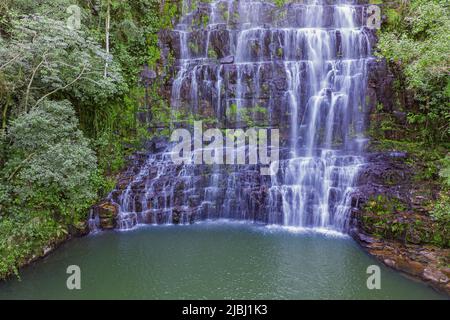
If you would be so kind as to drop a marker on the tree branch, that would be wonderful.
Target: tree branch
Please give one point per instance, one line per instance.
(107, 27)
(10, 61)
(62, 88)
(27, 94)
(20, 166)
(92, 81)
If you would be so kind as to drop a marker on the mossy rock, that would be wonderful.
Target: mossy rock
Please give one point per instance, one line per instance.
(107, 212)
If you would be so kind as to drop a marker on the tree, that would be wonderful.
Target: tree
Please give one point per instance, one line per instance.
(51, 166)
(44, 58)
(107, 29)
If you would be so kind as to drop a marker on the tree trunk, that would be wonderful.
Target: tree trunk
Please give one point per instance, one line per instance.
(107, 27)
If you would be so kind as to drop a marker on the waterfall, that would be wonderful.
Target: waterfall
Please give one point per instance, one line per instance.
(317, 181)
(305, 64)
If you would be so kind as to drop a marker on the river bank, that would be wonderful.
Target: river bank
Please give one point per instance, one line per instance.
(428, 264)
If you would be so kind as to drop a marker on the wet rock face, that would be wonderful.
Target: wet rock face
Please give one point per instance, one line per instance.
(384, 173)
(301, 68)
(107, 213)
(380, 86)
(154, 190)
(426, 263)
(388, 202)
(238, 53)
(391, 220)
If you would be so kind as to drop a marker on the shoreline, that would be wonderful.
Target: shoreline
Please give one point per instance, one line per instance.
(421, 263)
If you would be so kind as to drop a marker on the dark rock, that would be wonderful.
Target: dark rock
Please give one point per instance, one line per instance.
(381, 82)
(435, 275)
(400, 116)
(227, 60)
(366, 238)
(107, 213)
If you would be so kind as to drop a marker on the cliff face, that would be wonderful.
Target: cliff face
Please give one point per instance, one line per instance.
(391, 214)
(386, 173)
(181, 194)
(300, 68)
(210, 34)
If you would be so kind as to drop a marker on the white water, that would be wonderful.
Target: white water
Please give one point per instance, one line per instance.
(307, 61)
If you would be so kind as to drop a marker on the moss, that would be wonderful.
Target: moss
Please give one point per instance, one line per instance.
(212, 54)
(252, 116)
(388, 218)
(193, 47)
(280, 52)
(281, 3)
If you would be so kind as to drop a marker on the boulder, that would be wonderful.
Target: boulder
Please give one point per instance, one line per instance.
(107, 213)
(435, 275)
(227, 60)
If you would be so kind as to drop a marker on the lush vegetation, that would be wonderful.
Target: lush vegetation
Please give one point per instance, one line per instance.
(69, 95)
(415, 41)
(388, 217)
(70, 90)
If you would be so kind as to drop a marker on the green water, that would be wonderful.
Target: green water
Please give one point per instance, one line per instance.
(211, 261)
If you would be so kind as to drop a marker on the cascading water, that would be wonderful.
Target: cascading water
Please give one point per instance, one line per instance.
(316, 183)
(303, 63)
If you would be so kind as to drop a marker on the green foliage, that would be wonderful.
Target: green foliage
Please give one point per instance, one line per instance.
(44, 58)
(383, 206)
(212, 53)
(424, 159)
(50, 164)
(441, 211)
(441, 214)
(59, 86)
(280, 52)
(25, 236)
(416, 41)
(445, 170)
(194, 48)
(135, 26)
(48, 181)
(280, 3)
(388, 218)
(252, 116)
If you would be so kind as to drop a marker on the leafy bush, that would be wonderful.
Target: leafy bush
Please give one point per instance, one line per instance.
(25, 236)
(47, 183)
(50, 165)
(445, 171)
(417, 42)
(57, 87)
(441, 214)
